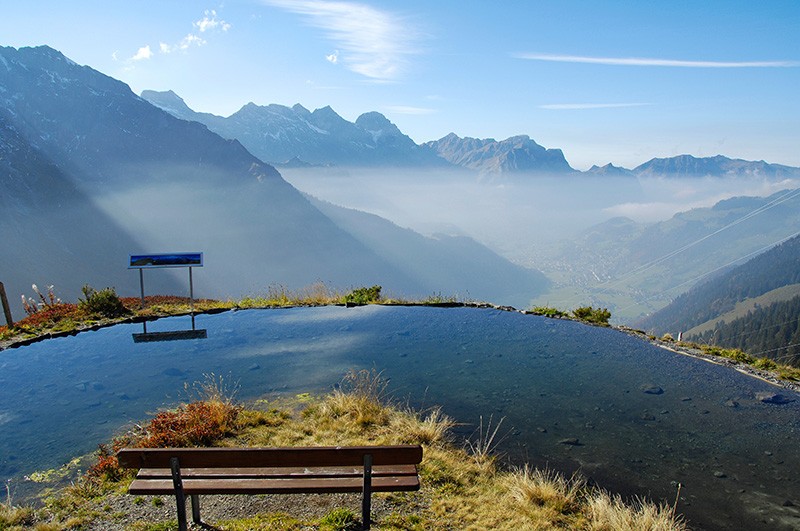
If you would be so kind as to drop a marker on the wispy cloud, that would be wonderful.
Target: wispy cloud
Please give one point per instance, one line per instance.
(373, 43)
(582, 106)
(404, 109)
(643, 61)
(144, 53)
(209, 23)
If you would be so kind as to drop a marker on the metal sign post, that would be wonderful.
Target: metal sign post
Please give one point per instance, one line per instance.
(157, 261)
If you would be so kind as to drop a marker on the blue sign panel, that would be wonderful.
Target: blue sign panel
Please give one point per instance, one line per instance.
(147, 261)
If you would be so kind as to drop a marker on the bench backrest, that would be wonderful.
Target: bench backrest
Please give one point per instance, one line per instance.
(269, 457)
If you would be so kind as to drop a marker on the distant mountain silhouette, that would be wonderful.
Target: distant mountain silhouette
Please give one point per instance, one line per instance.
(719, 166)
(488, 156)
(277, 134)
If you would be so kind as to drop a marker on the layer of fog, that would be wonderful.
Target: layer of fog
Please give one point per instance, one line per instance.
(519, 216)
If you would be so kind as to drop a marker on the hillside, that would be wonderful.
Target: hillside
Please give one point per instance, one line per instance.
(753, 306)
(771, 331)
(635, 268)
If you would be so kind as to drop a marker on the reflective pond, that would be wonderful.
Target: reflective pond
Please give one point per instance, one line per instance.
(631, 417)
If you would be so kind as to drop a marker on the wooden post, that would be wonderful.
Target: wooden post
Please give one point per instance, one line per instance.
(6, 308)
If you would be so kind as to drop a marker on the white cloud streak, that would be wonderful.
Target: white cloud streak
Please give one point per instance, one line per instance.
(642, 61)
(373, 43)
(583, 106)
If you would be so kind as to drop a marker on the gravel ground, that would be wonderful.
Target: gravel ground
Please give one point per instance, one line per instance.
(123, 509)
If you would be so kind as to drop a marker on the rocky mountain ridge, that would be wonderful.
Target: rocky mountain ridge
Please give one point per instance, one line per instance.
(296, 136)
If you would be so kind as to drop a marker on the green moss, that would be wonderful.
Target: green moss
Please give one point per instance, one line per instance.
(340, 519)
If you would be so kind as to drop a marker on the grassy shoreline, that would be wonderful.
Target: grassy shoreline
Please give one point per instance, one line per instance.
(464, 486)
(59, 320)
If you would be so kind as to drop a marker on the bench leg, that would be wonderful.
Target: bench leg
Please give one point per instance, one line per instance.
(195, 508)
(180, 497)
(367, 492)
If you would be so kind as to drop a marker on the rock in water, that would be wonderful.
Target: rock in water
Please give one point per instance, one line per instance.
(772, 398)
(651, 389)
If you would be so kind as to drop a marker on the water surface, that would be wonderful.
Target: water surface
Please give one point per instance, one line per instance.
(631, 417)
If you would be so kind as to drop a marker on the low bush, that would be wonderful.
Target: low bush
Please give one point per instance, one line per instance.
(105, 302)
(363, 295)
(598, 316)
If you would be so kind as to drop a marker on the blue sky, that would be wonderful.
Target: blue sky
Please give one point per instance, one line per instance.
(614, 81)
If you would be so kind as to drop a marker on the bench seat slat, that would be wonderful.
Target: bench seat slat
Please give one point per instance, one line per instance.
(269, 457)
(273, 486)
(279, 472)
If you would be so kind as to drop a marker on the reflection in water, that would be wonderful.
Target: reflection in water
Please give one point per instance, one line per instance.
(170, 335)
(632, 417)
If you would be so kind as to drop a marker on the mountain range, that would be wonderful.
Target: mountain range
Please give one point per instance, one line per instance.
(92, 173)
(296, 136)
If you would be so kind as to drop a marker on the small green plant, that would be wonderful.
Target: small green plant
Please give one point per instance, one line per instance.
(598, 316)
(438, 298)
(548, 311)
(104, 302)
(363, 295)
(765, 364)
(340, 519)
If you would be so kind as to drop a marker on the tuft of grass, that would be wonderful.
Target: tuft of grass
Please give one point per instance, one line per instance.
(428, 429)
(278, 296)
(610, 513)
(545, 494)
(340, 519)
(360, 396)
(483, 444)
(13, 517)
(438, 298)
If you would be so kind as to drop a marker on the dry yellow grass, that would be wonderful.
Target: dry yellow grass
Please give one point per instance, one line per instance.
(462, 486)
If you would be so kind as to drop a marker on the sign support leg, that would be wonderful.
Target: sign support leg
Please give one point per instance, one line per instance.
(191, 291)
(141, 285)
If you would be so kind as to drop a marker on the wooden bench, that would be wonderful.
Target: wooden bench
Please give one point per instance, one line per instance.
(191, 472)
